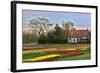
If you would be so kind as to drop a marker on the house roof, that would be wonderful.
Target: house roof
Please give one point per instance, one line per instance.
(78, 33)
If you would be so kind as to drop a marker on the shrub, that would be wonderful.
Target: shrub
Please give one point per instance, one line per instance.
(52, 41)
(27, 38)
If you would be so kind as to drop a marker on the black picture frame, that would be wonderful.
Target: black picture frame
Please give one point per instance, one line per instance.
(14, 33)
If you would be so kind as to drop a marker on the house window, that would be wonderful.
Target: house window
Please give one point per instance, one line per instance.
(71, 39)
(75, 39)
(78, 39)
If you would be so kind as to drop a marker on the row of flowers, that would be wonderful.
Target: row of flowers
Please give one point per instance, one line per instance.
(52, 57)
(52, 54)
(75, 53)
(41, 58)
(50, 50)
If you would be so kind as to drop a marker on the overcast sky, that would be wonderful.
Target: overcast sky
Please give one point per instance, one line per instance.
(79, 19)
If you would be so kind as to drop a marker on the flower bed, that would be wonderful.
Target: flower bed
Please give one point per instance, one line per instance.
(75, 53)
(41, 58)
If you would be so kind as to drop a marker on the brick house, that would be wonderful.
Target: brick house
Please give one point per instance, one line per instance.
(76, 36)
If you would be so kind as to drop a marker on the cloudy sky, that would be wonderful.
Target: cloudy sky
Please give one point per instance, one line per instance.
(79, 19)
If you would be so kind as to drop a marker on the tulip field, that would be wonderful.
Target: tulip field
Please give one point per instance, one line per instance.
(55, 52)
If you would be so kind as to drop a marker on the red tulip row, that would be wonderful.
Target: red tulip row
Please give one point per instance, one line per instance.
(75, 53)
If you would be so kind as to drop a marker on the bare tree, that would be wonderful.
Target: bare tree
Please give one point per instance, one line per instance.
(67, 26)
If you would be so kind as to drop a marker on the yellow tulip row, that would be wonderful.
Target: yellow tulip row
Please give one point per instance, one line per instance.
(35, 51)
(42, 50)
(41, 58)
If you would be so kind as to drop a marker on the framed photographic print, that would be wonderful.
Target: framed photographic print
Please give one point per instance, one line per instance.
(47, 36)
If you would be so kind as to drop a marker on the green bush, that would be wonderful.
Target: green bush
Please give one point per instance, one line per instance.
(52, 41)
(27, 38)
(42, 41)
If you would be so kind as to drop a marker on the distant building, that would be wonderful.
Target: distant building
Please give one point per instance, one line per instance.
(76, 36)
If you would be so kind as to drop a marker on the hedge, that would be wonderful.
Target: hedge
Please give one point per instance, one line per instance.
(52, 41)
